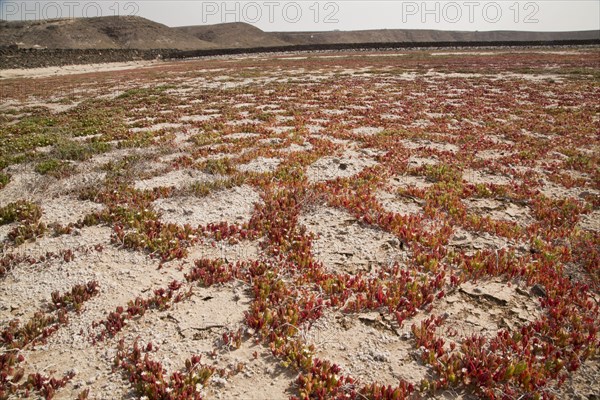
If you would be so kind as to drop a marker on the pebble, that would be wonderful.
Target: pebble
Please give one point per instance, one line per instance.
(538, 290)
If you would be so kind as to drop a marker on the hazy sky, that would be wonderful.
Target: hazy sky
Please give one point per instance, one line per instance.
(271, 15)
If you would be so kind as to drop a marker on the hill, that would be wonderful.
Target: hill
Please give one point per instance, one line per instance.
(128, 32)
(234, 35)
(118, 32)
(415, 35)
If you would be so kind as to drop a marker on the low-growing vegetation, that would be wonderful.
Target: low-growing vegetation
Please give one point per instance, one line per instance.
(305, 227)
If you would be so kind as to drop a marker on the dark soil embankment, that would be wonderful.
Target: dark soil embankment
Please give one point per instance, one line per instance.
(14, 57)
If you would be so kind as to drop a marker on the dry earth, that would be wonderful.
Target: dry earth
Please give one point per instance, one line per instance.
(364, 172)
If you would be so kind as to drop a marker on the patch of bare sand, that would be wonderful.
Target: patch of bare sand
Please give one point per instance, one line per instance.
(25, 184)
(492, 154)
(334, 112)
(156, 127)
(420, 123)
(367, 130)
(348, 164)
(482, 308)
(500, 210)
(73, 69)
(54, 104)
(178, 179)
(482, 178)
(117, 155)
(5, 230)
(507, 306)
(428, 144)
(294, 147)
(199, 118)
(590, 222)
(194, 326)
(226, 251)
(471, 242)
(260, 165)
(232, 206)
(241, 135)
(93, 365)
(314, 128)
(529, 77)
(92, 368)
(171, 157)
(392, 117)
(405, 181)
(344, 245)
(272, 141)
(367, 347)
(74, 183)
(583, 383)
(261, 378)
(397, 204)
(278, 130)
(69, 348)
(555, 191)
(416, 162)
(112, 268)
(84, 237)
(343, 142)
(465, 53)
(65, 210)
(501, 139)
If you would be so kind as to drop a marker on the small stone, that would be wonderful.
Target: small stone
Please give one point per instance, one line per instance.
(379, 357)
(394, 242)
(219, 381)
(538, 290)
(370, 318)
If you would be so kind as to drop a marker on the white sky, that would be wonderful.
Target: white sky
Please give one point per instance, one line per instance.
(274, 15)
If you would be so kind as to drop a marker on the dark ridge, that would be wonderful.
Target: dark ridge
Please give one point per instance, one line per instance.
(13, 57)
(379, 46)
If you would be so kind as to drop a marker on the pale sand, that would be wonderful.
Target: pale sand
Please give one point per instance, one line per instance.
(73, 69)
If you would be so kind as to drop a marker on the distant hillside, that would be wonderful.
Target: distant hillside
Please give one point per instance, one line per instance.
(403, 35)
(122, 32)
(97, 33)
(233, 35)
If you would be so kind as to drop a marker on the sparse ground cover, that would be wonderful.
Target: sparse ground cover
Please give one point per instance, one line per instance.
(309, 227)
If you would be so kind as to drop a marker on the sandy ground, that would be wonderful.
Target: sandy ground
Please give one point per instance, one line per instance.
(74, 69)
(208, 151)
